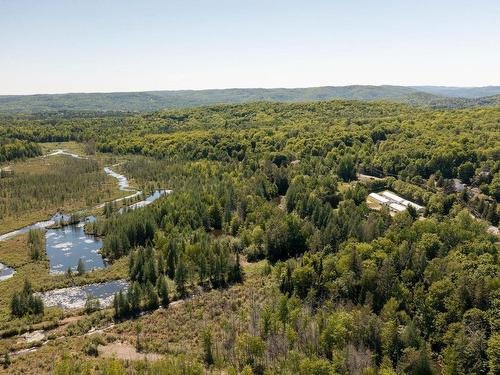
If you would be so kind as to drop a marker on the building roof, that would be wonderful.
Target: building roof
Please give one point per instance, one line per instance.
(392, 196)
(379, 198)
(397, 207)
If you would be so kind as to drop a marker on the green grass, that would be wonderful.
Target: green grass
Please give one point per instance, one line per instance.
(17, 213)
(171, 332)
(14, 253)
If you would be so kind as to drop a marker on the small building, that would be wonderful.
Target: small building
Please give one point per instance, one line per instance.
(394, 201)
(380, 199)
(397, 207)
(392, 196)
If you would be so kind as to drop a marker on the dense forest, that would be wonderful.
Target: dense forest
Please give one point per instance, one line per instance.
(16, 149)
(383, 139)
(433, 96)
(353, 290)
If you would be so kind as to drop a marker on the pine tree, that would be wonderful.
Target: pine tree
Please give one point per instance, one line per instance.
(138, 330)
(236, 272)
(215, 216)
(181, 278)
(6, 360)
(207, 346)
(134, 297)
(25, 303)
(116, 305)
(492, 215)
(163, 291)
(171, 261)
(152, 301)
(36, 243)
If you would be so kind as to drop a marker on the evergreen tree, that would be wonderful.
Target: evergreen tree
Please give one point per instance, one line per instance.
(25, 303)
(163, 291)
(171, 260)
(181, 278)
(236, 272)
(346, 168)
(207, 346)
(134, 297)
(36, 243)
(152, 301)
(215, 216)
(6, 360)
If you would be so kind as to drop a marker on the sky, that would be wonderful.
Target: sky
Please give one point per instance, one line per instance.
(56, 46)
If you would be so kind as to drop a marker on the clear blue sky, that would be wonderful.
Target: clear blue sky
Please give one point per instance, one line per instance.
(52, 46)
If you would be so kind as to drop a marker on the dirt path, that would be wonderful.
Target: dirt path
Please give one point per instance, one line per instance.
(41, 335)
(125, 351)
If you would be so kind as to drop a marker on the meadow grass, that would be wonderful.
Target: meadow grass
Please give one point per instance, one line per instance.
(171, 332)
(33, 169)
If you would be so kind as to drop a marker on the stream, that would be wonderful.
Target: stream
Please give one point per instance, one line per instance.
(76, 296)
(66, 245)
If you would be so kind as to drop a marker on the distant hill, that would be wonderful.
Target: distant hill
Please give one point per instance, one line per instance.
(443, 102)
(460, 92)
(155, 100)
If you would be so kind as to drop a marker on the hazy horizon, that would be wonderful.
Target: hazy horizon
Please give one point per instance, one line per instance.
(243, 88)
(127, 46)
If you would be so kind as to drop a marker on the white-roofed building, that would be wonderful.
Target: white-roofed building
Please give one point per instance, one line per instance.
(397, 207)
(392, 196)
(414, 205)
(394, 201)
(380, 199)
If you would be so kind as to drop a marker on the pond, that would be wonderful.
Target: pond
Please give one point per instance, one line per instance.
(75, 297)
(6, 272)
(67, 245)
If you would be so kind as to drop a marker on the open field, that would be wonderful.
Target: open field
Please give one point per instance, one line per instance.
(42, 186)
(166, 333)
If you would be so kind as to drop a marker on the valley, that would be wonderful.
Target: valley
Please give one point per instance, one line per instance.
(330, 238)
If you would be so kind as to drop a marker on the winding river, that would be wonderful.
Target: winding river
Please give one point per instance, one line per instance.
(66, 245)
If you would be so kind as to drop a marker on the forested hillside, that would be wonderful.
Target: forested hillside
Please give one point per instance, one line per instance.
(155, 100)
(460, 92)
(275, 260)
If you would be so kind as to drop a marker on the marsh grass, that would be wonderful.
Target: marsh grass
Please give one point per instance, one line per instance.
(175, 332)
(14, 253)
(42, 186)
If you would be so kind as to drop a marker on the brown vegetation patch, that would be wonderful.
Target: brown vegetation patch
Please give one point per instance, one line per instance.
(125, 351)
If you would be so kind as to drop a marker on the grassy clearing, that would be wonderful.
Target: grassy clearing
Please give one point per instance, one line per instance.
(42, 186)
(169, 332)
(73, 147)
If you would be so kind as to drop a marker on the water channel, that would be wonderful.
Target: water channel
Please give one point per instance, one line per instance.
(66, 245)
